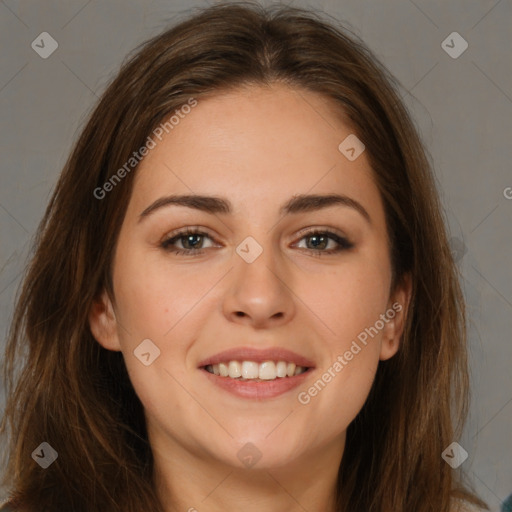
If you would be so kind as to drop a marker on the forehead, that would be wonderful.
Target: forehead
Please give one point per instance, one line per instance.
(259, 145)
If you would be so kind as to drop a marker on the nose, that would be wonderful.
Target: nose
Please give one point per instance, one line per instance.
(260, 294)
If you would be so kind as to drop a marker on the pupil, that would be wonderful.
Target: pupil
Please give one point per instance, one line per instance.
(316, 237)
(189, 239)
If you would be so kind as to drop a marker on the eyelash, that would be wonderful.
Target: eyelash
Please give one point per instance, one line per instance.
(343, 243)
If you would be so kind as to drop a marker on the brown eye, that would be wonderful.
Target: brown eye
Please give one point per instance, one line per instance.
(191, 242)
(320, 240)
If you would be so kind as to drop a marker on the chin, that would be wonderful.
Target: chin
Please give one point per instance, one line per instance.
(260, 451)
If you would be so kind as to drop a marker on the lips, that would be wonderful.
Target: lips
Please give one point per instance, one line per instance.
(256, 388)
(258, 356)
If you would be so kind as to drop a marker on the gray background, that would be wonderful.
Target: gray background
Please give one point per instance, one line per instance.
(462, 106)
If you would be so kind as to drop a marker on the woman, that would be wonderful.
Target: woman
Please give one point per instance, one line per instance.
(242, 295)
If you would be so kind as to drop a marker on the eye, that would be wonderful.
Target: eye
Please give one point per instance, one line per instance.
(320, 240)
(191, 240)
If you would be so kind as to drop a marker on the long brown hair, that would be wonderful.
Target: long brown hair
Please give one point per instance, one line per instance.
(66, 390)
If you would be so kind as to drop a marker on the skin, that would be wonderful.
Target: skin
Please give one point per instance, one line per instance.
(256, 147)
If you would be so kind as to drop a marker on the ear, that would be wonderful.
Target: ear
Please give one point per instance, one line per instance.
(395, 317)
(102, 321)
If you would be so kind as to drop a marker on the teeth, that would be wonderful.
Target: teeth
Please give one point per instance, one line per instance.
(235, 369)
(249, 370)
(267, 370)
(281, 369)
(223, 370)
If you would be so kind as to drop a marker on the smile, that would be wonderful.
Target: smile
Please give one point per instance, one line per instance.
(251, 370)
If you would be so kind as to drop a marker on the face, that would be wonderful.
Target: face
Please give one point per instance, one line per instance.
(258, 275)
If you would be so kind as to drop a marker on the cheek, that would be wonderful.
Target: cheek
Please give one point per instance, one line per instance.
(339, 393)
(160, 393)
(152, 298)
(349, 376)
(350, 300)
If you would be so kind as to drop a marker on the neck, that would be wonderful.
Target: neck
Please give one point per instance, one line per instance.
(192, 481)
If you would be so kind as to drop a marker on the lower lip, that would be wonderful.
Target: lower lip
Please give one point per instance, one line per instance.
(257, 390)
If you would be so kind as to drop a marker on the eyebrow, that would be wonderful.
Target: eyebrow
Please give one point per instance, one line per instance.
(217, 205)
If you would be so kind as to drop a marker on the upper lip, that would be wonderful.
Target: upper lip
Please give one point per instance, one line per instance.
(258, 356)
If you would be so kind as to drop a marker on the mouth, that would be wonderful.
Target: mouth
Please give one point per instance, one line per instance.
(257, 373)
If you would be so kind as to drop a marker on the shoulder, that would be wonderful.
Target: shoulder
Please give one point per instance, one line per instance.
(461, 506)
